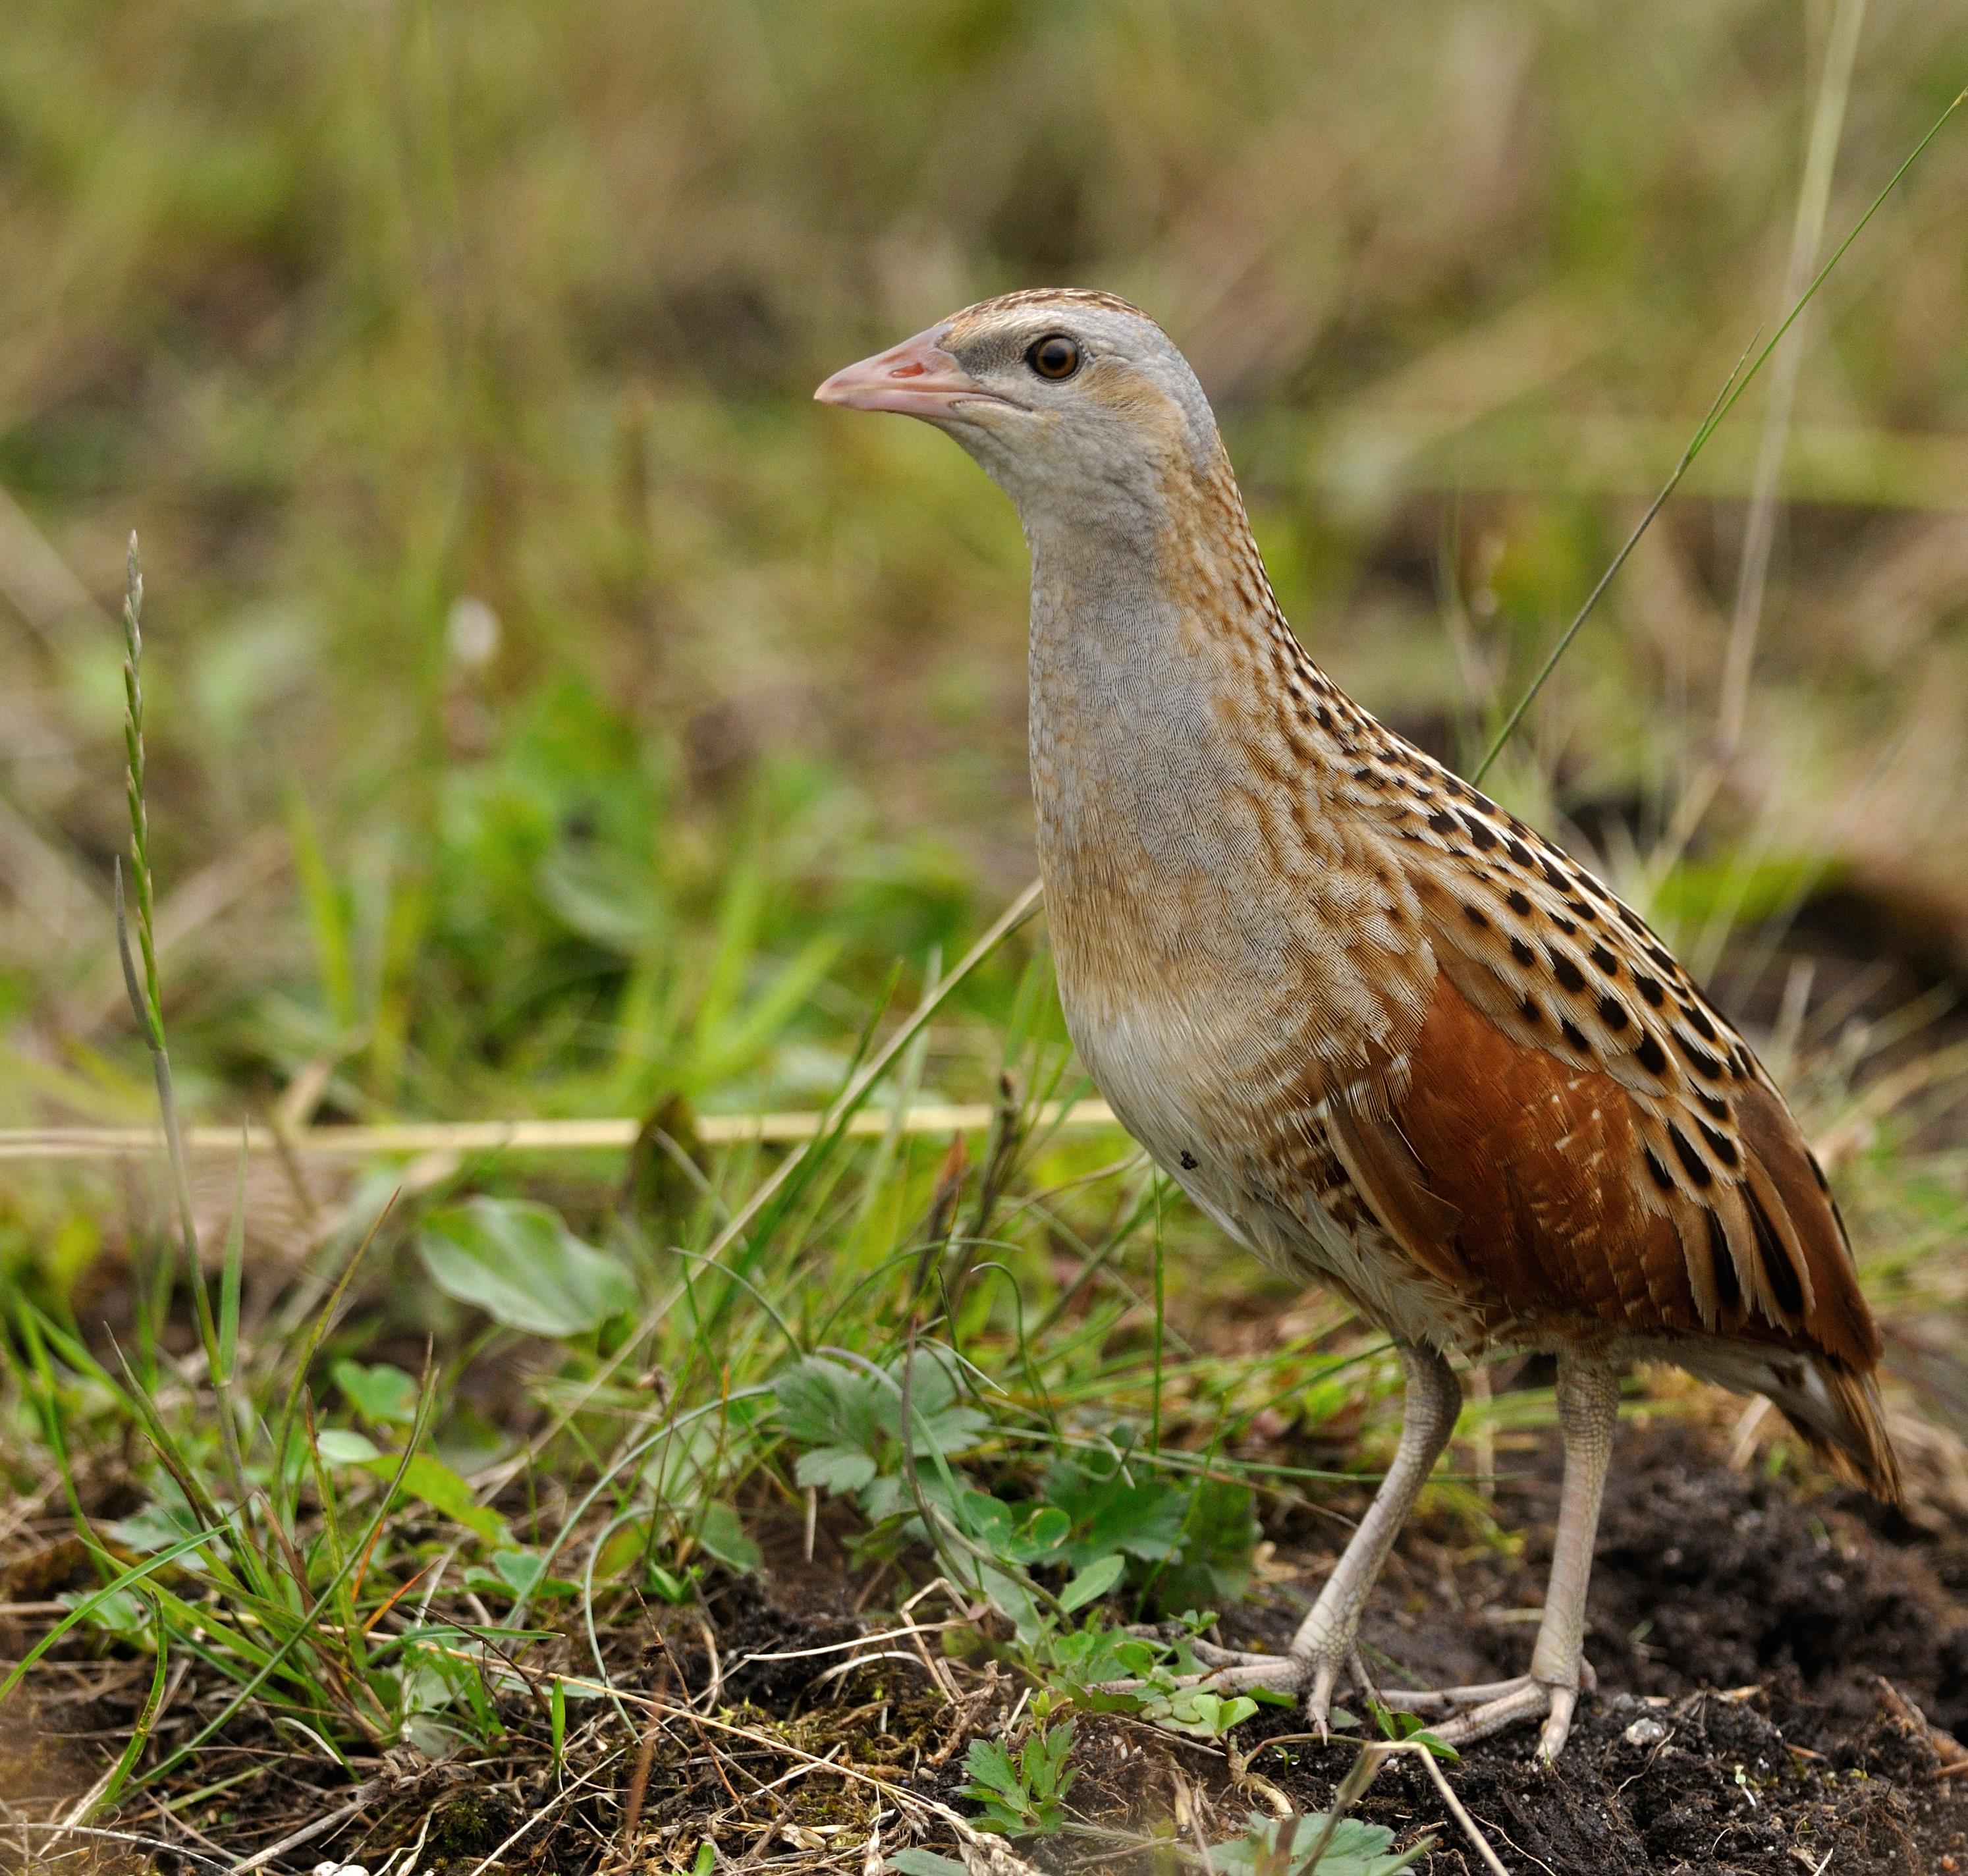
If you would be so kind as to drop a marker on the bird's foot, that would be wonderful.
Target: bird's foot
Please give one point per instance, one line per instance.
(1476, 1713)
(1465, 1714)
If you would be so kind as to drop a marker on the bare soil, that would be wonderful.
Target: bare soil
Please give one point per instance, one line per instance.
(1779, 1676)
(1808, 1660)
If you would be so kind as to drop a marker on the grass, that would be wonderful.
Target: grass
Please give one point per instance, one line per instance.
(311, 1534)
(549, 718)
(324, 1561)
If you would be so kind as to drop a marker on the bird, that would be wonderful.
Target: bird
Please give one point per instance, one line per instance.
(1380, 1030)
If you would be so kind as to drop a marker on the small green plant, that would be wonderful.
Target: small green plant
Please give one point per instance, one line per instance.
(1023, 1796)
(850, 1418)
(1103, 1669)
(1312, 1845)
(1093, 1521)
(1407, 1728)
(1204, 1715)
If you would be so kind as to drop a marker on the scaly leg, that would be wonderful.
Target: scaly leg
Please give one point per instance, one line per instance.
(1588, 1409)
(1326, 1637)
(1324, 1644)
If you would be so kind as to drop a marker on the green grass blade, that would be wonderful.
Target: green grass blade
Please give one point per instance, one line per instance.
(230, 1276)
(305, 1629)
(125, 1578)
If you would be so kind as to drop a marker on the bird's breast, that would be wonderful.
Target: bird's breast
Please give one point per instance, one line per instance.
(1232, 1110)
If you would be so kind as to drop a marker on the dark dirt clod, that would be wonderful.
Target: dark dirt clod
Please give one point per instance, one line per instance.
(1790, 1646)
(751, 1625)
(1732, 1579)
(1722, 1791)
(474, 1824)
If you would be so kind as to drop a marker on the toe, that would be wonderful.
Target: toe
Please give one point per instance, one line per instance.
(1449, 1699)
(1319, 1699)
(1356, 1666)
(1525, 1702)
(1281, 1673)
(1558, 1724)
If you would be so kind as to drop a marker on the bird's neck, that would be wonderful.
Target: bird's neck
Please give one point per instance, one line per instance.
(1188, 759)
(1157, 653)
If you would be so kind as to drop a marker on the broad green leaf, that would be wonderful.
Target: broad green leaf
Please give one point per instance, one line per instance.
(383, 1395)
(838, 1467)
(723, 1536)
(519, 1573)
(1205, 1714)
(917, 1862)
(1354, 1849)
(950, 1430)
(488, 1581)
(1095, 1580)
(1213, 1564)
(671, 1587)
(990, 1767)
(826, 1403)
(1011, 1598)
(594, 894)
(622, 1548)
(125, 1616)
(519, 1263)
(1144, 1519)
(1044, 1758)
(343, 1446)
(434, 1481)
(989, 1520)
(155, 1525)
(1045, 1530)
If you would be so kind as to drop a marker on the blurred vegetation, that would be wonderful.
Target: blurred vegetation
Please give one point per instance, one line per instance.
(453, 363)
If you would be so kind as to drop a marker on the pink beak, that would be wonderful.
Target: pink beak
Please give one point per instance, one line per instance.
(916, 378)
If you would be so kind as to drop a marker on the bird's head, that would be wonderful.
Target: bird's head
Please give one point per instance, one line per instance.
(1078, 405)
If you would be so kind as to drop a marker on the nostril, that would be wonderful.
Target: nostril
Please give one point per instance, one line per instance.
(908, 371)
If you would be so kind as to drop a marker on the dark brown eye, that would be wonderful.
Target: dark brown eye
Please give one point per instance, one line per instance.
(1055, 357)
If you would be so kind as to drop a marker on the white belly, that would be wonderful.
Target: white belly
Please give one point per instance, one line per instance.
(1222, 1119)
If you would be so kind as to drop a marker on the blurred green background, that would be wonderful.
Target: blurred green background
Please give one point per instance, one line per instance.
(551, 708)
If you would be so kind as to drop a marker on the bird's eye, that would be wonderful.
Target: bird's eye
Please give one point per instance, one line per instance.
(1055, 357)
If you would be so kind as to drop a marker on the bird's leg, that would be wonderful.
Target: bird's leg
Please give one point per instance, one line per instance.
(1588, 1406)
(1324, 1645)
(1325, 1638)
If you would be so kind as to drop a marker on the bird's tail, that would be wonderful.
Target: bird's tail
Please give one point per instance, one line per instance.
(1834, 1407)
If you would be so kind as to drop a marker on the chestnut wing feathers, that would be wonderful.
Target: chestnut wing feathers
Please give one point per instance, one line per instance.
(1617, 1160)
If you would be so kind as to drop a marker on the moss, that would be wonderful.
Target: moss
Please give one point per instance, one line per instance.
(473, 1824)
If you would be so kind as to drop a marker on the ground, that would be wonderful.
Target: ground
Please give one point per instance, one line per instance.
(1781, 1666)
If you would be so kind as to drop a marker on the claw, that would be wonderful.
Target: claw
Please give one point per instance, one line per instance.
(1472, 1712)
(1319, 1702)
